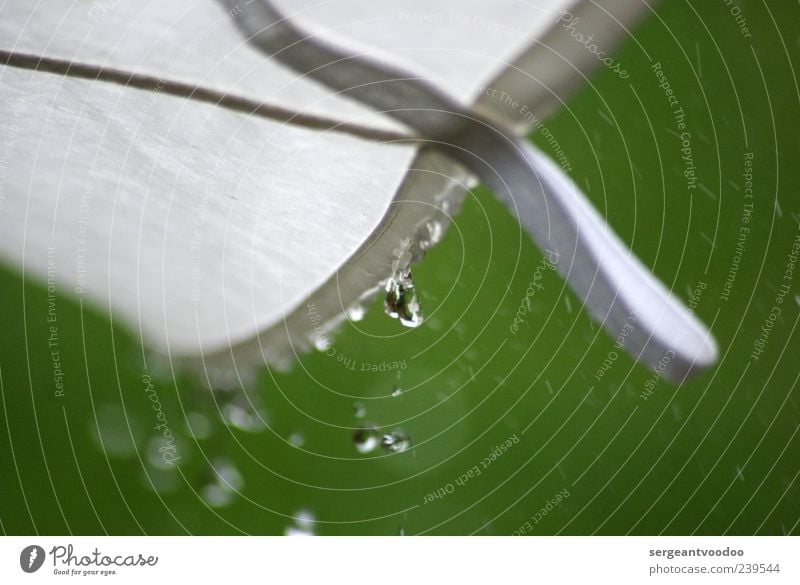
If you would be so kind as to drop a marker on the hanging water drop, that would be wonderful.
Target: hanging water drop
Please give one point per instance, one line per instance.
(322, 342)
(397, 441)
(223, 379)
(401, 299)
(429, 234)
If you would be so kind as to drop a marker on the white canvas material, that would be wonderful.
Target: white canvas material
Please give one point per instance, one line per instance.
(170, 167)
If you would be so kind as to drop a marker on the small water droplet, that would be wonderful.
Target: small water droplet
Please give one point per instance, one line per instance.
(429, 234)
(297, 439)
(359, 409)
(322, 342)
(397, 390)
(304, 518)
(242, 417)
(401, 299)
(216, 496)
(356, 312)
(223, 379)
(797, 299)
(198, 425)
(164, 452)
(397, 441)
(112, 431)
(365, 439)
(226, 480)
(227, 474)
(162, 481)
(303, 524)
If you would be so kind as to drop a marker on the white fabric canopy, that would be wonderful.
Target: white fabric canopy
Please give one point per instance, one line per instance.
(162, 166)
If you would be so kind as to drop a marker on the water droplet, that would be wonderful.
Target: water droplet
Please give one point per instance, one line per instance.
(359, 409)
(402, 255)
(365, 439)
(164, 452)
(198, 425)
(244, 418)
(297, 439)
(227, 475)
(797, 299)
(216, 496)
(226, 480)
(303, 524)
(397, 441)
(429, 234)
(222, 379)
(322, 342)
(304, 518)
(161, 481)
(397, 390)
(401, 299)
(356, 312)
(112, 433)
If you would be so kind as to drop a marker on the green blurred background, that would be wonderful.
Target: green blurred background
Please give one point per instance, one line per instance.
(717, 455)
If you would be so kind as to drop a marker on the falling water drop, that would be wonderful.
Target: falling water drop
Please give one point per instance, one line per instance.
(397, 390)
(303, 524)
(397, 441)
(356, 312)
(401, 299)
(227, 474)
(297, 439)
(198, 425)
(164, 452)
(112, 431)
(226, 480)
(216, 496)
(359, 409)
(243, 417)
(223, 379)
(162, 481)
(365, 439)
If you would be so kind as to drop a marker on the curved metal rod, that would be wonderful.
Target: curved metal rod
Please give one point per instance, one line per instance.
(617, 289)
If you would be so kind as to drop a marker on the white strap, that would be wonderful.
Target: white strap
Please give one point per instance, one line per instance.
(616, 287)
